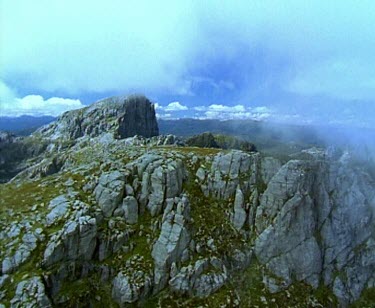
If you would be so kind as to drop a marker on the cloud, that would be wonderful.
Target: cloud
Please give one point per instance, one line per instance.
(230, 109)
(210, 114)
(167, 46)
(200, 108)
(97, 46)
(165, 116)
(34, 105)
(261, 109)
(175, 106)
(346, 79)
(221, 108)
(271, 52)
(225, 112)
(6, 93)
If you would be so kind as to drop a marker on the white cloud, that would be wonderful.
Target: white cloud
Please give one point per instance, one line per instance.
(211, 114)
(223, 108)
(200, 108)
(165, 116)
(237, 112)
(175, 106)
(261, 116)
(34, 105)
(261, 109)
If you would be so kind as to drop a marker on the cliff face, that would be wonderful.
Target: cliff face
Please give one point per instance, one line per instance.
(14, 150)
(115, 117)
(138, 119)
(117, 223)
(122, 116)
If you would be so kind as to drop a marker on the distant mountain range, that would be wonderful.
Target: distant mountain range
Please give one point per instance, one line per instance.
(23, 125)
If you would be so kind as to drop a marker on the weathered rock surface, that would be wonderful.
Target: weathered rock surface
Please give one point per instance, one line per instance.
(240, 215)
(110, 191)
(112, 239)
(123, 116)
(130, 206)
(76, 241)
(314, 223)
(230, 170)
(173, 240)
(129, 289)
(297, 212)
(201, 279)
(30, 293)
(22, 253)
(160, 179)
(59, 208)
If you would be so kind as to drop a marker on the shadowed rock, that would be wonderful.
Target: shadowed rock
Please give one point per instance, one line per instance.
(122, 116)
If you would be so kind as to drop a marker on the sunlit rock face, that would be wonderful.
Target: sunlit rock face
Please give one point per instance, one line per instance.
(121, 116)
(117, 117)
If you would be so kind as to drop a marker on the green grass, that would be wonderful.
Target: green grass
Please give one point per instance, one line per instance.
(194, 150)
(254, 293)
(87, 290)
(21, 197)
(210, 220)
(367, 300)
(166, 299)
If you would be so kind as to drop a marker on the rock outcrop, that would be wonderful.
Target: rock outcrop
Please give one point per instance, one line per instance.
(75, 241)
(122, 116)
(300, 221)
(174, 239)
(299, 216)
(202, 279)
(143, 221)
(30, 293)
(110, 191)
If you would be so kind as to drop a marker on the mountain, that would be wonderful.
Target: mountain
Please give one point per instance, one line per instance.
(278, 138)
(122, 116)
(97, 218)
(23, 125)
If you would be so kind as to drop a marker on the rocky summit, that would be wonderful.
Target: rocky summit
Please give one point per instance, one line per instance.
(122, 116)
(100, 219)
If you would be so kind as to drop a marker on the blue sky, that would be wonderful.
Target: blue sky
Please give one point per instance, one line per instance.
(294, 61)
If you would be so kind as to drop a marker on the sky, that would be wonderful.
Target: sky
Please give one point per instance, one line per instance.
(289, 61)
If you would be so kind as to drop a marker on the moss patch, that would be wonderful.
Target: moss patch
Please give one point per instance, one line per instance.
(211, 221)
(367, 300)
(253, 293)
